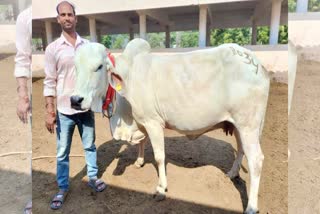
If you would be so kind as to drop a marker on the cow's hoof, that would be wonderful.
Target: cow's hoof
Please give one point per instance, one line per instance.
(139, 163)
(232, 174)
(251, 211)
(159, 196)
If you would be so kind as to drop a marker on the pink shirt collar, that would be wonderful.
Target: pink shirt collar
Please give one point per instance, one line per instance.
(63, 40)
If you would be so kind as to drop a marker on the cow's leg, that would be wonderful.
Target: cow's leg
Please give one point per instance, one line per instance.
(156, 135)
(140, 160)
(253, 153)
(234, 172)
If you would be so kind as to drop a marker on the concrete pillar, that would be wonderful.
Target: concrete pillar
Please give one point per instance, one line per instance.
(143, 25)
(22, 5)
(275, 22)
(302, 6)
(48, 26)
(93, 29)
(208, 30)
(202, 25)
(44, 41)
(15, 8)
(131, 33)
(254, 32)
(178, 39)
(167, 37)
(99, 39)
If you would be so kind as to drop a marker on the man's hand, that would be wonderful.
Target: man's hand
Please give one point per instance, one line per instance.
(23, 106)
(23, 109)
(50, 122)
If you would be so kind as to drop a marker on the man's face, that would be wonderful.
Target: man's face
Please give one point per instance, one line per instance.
(66, 17)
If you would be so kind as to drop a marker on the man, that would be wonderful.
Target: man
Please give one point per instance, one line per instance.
(22, 70)
(59, 84)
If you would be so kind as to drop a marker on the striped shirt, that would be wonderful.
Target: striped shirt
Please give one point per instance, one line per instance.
(23, 44)
(59, 71)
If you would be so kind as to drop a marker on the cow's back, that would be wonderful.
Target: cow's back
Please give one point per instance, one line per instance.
(195, 90)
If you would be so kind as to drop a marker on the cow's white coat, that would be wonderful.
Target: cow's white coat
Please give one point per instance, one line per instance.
(189, 92)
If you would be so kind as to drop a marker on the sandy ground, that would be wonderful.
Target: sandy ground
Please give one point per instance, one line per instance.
(195, 169)
(15, 178)
(304, 138)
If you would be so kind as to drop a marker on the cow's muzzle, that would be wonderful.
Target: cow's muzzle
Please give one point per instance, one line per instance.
(76, 102)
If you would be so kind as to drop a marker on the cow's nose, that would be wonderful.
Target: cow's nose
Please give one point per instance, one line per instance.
(76, 102)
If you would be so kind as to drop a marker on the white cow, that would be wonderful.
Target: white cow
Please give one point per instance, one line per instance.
(192, 93)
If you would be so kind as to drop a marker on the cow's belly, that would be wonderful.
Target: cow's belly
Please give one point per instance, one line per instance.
(193, 110)
(194, 115)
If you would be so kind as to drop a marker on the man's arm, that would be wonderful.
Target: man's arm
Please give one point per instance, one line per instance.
(22, 70)
(50, 113)
(49, 90)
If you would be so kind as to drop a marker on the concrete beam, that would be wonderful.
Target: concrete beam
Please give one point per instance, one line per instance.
(160, 16)
(112, 19)
(210, 13)
(260, 9)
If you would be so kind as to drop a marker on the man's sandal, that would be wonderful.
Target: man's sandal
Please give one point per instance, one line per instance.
(28, 208)
(97, 184)
(58, 199)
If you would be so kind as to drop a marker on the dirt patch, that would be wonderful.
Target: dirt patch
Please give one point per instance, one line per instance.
(304, 138)
(15, 178)
(195, 169)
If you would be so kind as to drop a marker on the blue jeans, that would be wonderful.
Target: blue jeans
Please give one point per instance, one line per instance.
(65, 128)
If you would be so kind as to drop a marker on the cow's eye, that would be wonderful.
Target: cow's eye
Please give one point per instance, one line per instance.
(100, 66)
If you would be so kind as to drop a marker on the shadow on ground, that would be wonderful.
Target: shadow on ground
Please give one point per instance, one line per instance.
(15, 191)
(179, 151)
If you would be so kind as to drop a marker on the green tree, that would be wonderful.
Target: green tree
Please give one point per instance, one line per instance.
(189, 39)
(106, 41)
(240, 36)
(292, 5)
(314, 6)
(264, 32)
(119, 41)
(263, 35)
(283, 34)
(156, 40)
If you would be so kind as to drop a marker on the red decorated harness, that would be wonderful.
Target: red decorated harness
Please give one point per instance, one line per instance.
(110, 94)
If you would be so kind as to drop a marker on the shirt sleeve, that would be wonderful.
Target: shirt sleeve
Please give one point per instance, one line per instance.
(23, 45)
(50, 80)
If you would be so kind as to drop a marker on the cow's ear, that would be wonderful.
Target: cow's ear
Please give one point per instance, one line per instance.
(116, 82)
(109, 64)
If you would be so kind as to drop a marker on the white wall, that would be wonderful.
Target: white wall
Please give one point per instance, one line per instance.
(274, 58)
(7, 38)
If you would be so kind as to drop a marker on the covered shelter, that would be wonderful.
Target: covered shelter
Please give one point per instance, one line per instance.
(96, 18)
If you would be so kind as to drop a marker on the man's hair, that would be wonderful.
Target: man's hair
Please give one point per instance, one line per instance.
(57, 8)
